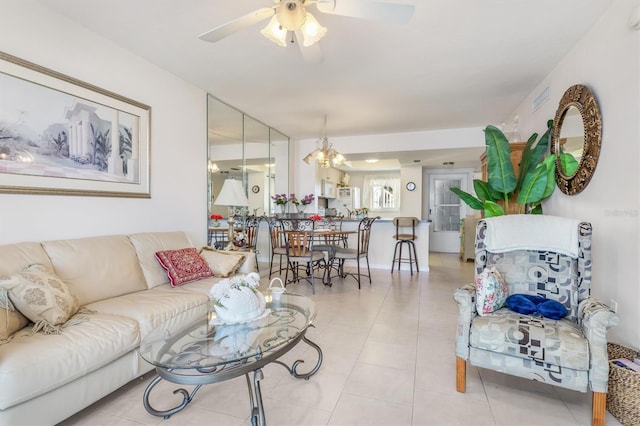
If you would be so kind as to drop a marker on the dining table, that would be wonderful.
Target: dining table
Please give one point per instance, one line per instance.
(326, 240)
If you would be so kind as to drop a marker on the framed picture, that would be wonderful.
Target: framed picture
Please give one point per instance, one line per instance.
(59, 135)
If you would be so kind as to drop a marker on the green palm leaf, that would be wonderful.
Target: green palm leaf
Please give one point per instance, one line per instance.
(499, 167)
(492, 209)
(469, 199)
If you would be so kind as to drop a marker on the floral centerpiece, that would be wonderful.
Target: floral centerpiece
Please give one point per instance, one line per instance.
(237, 299)
(302, 203)
(315, 217)
(215, 219)
(282, 200)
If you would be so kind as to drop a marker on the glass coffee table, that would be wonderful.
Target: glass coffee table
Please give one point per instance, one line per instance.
(208, 351)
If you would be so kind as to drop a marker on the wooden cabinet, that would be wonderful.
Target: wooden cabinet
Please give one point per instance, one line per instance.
(516, 157)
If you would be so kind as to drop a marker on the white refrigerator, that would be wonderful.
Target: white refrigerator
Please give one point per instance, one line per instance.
(347, 199)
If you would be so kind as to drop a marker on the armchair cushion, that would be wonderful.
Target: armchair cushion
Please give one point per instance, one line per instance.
(491, 291)
(542, 340)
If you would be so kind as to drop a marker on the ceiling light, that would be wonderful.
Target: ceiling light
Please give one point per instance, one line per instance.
(372, 160)
(326, 155)
(275, 32)
(292, 16)
(312, 31)
(213, 167)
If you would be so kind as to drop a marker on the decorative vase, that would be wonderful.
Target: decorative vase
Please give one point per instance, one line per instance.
(283, 208)
(301, 208)
(214, 223)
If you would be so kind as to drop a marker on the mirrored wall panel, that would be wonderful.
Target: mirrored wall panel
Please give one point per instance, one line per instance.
(243, 148)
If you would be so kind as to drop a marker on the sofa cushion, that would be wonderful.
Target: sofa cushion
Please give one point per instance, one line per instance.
(152, 307)
(147, 244)
(183, 265)
(41, 296)
(97, 268)
(221, 263)
(538, 339)
(35, 364)
(10, 322)
(16, 257)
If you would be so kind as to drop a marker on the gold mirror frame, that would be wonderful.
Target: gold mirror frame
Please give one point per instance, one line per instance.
(578, 96)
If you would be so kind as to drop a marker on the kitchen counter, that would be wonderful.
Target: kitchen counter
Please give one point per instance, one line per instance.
(381, 245)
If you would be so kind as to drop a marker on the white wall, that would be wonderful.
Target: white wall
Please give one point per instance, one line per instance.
(178, 136)
(304, 174)
(606, 60)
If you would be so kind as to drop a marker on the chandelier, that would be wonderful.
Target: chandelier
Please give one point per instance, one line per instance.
(326, 155)
(291, 15)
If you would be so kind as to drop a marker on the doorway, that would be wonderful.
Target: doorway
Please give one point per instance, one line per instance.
(445, 211)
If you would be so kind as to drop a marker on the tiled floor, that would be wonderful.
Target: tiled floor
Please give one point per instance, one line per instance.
(388, 360)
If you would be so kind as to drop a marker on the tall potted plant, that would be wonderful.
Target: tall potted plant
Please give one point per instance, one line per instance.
(505, 193)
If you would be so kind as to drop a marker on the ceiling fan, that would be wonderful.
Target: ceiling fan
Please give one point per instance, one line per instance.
(292, 22)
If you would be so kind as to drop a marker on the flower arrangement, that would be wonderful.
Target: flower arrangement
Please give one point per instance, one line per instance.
(315, 217)
(282, 199)
(306, 200)
(215, 217)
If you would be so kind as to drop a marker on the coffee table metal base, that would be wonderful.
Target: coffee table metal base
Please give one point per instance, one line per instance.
(200, 376)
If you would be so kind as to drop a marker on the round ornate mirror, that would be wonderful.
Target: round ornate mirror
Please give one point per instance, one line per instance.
(576, 139)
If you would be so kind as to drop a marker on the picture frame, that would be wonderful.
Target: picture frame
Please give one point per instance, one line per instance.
(62, 136)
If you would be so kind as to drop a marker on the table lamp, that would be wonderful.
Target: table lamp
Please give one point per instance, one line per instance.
(232, 194)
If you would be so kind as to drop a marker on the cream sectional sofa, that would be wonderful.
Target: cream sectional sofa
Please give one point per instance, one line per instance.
(124, 293)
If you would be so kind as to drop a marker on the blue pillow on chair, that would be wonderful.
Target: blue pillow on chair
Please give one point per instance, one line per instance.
(528, 304)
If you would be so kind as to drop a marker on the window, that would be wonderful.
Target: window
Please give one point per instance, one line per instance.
(382, 192)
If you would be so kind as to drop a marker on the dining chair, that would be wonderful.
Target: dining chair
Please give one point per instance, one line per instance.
(277, 241)
(405, 237)
(343, 254)
(302, 257)
(251, 229)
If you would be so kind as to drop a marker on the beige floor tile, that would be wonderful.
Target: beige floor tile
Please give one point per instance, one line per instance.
(451, 409)
(382, 383)
(357, 410)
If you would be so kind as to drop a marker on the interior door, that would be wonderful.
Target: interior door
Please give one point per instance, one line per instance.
(445, 211)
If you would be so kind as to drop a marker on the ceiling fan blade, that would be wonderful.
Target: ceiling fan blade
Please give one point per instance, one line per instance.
(368, 9)
(311, 54)
(238, 24)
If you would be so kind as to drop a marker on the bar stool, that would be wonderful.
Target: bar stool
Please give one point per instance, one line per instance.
(405, 238)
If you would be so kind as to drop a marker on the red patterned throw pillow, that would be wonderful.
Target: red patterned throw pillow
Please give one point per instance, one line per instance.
(183, 265)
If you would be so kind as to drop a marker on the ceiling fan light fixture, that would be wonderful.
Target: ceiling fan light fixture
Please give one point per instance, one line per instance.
(308, 158)
(291, 14)
(275, 32)
(312, 31)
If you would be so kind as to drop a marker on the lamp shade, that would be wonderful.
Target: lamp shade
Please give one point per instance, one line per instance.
(312, 31)
(275, 32)
(232, 194)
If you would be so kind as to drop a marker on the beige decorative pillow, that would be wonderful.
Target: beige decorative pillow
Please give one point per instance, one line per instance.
(222, 264)
(10, 322)
(42, 297)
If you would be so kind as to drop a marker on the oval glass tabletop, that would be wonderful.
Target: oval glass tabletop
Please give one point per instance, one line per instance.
(206, 343)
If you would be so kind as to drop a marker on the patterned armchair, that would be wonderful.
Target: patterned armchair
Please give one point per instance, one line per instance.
(571, 352)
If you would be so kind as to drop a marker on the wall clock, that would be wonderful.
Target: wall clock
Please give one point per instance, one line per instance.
(411, 186)
(255, 189)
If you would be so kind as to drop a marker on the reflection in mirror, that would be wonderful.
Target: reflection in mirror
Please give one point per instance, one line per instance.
(571, 141)
(242, 148)
(224, 150)
(577, 114)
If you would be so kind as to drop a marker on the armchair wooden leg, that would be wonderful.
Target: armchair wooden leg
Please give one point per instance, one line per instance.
(599, 408)
(461, 375)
